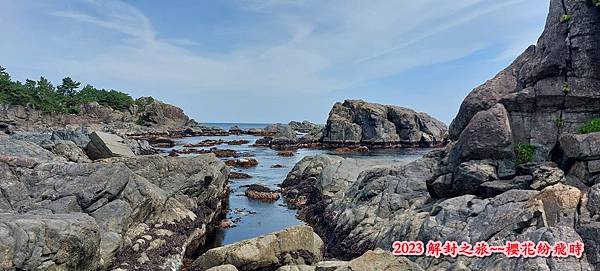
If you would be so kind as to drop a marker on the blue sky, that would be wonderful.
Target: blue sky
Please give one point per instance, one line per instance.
(272, 60)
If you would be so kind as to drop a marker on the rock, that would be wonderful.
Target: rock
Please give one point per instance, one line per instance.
(581, 147)
(103, 145)
(239, 175)
(281, 131)
(235, 130)
(157, 113)
(467, 179)
(546, 175)
(161, 142)
(487, 136)
(226, 267)
(302, 267)
(225, 223)
(206, 143)
(70, 151)
(362, 149)
(313, 138)
(49, 242)
(292, 246)
(23, 153)
(381, 260)
(238, 142)
(304, 126)
(277, 166)
(357, 122)
(243, 163)
(285, 153)
(493, 188)
(261, 192)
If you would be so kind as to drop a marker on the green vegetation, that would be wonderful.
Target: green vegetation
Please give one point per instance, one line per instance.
(591, 126)
(565, 18)
(596, 2)
(524, 153)
(559, 122)
(566, 88)
(65, 98)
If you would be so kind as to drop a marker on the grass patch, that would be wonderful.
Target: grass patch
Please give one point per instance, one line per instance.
(565, 18)
(524, 153)
(591, 126)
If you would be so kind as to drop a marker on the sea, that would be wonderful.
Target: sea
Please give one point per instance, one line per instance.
(254, 218)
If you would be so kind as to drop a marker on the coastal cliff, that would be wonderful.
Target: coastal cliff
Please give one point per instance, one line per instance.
(517, 167)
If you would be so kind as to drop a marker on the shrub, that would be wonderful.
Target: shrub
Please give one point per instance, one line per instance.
(565, 18)
(559, 122)
(596, 2)
(591, 126)
(566, 88)
(524, 153)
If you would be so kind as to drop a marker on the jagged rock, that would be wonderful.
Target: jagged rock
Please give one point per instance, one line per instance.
(304, 126)
(281, 131)
(70, 151)
(242, 162)
(162, 114)
(357, 122)
(103, 145)
(494, 188)
(381, 260)
(545, 175)
(49, 242)
(292, 246)
(239, 175)
(120, 195)
(581, 147)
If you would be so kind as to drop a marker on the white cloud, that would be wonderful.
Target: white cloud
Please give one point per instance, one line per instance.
(329, 45)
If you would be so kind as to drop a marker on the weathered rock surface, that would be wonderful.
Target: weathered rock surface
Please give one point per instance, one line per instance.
(104, 145)
(357, 122)
(261, 192)
(304, 126)
(293, 246)
(141, 211)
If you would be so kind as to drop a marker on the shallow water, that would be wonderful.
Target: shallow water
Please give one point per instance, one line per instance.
(254, 218)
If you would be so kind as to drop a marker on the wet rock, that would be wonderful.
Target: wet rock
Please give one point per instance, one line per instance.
(103, 145)
(353, 149)
(285, 153)
(239, 175)
(242, 163)
(293, 246)
(261, 192)
(225, 223)
(277, 166)
(235, 130)
(205, 143)
(238, 142)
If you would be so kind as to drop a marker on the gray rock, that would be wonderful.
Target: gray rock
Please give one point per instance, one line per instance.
(581, 147)
(70, 151)
(487, 136)
(226, 267)
(356, 121)
(293, 246)
(546, 175)
(494, 188)
(104, 145)
(49, 242)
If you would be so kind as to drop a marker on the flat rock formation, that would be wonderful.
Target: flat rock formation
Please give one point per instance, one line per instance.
(356, 122)
(484, 186)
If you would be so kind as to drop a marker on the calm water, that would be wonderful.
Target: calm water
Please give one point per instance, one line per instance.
(256, 218)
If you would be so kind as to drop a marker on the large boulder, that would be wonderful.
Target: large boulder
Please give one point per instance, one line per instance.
(105, 145)
(49, 242)
(157, 113)
(581, 147)
(359, 122)
(292, 246)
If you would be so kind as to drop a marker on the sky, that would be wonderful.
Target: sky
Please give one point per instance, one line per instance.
(264, 61)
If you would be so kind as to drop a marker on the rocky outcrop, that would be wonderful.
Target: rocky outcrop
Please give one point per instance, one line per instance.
(261, 192)
(104, 145)
(481, 186)
(140, 212)
(355, 122)
(161, 114)
(304, 126)
(293, 246)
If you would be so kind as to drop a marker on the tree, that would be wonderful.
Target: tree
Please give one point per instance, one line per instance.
(68, 87)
